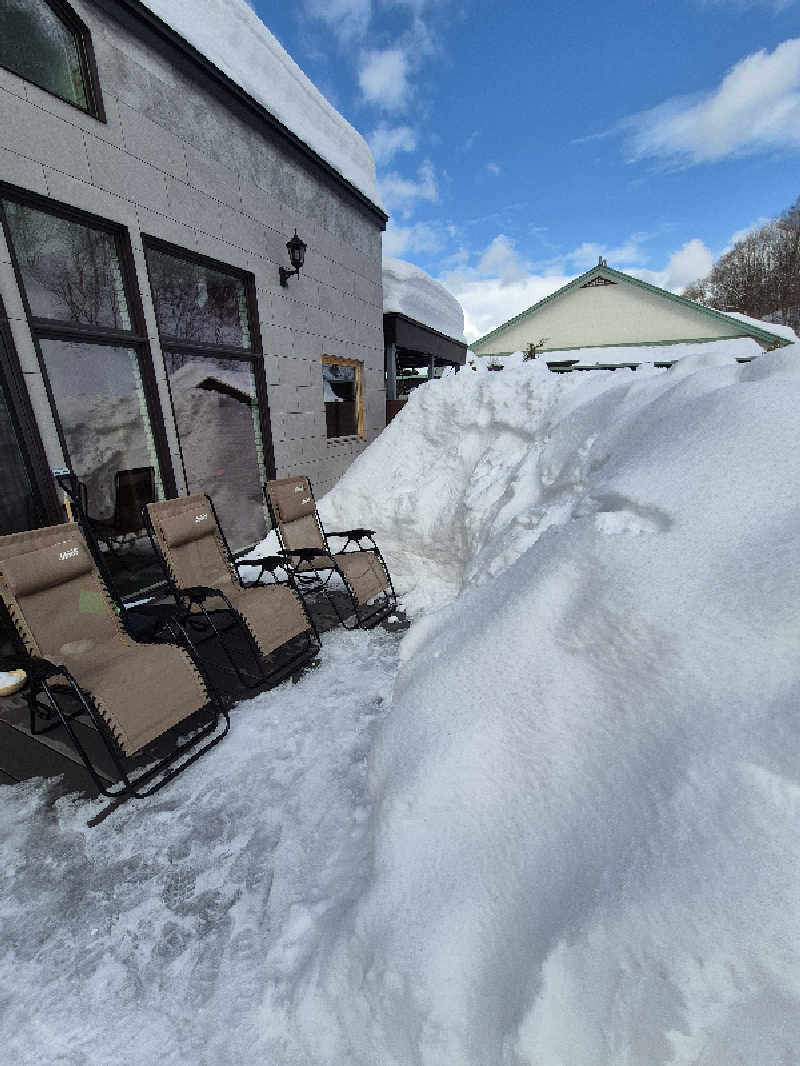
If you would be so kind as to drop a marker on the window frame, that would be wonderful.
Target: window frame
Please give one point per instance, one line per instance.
(83, 39)
(135, 339)
(358, 364)
(254, 355)
(23, 420)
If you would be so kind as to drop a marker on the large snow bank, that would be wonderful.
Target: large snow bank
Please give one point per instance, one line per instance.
(233, 37)
(578, 844)
(588, 791)
(410, 291)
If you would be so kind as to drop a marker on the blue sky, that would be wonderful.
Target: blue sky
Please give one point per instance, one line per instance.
(516, 142)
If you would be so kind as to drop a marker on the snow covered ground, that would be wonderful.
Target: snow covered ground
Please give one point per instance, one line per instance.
(559, 825)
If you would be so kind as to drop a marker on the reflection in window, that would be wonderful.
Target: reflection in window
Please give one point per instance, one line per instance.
(36, 44)
(18, 508)
(216, 412)
(341, 393)
(71, 272)
(196, 302)
(101, 408)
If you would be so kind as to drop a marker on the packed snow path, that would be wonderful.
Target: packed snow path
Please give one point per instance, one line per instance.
(156, 936)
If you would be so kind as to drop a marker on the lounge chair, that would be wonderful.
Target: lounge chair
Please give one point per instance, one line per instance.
(359, 563)
(80, 660)
(272, 617)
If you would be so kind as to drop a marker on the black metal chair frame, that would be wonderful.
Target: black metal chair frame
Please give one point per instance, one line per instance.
(105, 530)
(196, 597)
(180, 615)
(312, 581)
(39, 674)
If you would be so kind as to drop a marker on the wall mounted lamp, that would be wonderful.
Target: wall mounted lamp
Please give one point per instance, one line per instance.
(297, 254)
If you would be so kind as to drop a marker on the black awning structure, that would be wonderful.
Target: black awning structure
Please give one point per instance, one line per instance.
(410, 345)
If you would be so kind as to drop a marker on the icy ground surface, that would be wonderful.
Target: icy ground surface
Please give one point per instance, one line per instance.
(572, 838)
(156, 936)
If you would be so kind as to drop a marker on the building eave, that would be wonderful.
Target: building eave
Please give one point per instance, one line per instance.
(140, 20)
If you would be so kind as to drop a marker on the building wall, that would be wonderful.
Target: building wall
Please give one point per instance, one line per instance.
(173, 162)
(607, 315)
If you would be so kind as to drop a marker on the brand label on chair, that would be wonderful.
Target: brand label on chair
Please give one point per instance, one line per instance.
(71, 554)
(201, 517)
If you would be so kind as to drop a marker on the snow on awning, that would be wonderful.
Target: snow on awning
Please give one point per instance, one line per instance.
(409, 291)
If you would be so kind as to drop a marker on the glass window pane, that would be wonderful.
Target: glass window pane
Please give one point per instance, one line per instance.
(198, 303)
(101, 408)
(340, 395)
(216, 412)
(71, 272)
(18, 506)
(38, 46)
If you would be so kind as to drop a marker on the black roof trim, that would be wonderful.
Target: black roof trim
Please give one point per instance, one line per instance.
(407, 333)
(134, 16)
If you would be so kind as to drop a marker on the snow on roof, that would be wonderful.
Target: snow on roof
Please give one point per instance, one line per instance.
(232, 36)
(723, 350)
(771, 327)
(411, 292)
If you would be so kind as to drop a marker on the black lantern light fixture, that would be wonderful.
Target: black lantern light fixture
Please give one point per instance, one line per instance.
(297, 254)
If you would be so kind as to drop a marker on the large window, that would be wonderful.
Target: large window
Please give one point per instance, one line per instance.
(81, 297)
(19, 504)
(210, 338)
(341, 394)
(46, 43)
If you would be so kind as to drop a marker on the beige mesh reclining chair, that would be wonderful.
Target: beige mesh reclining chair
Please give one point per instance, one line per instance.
(83, 662)
(359, 564)
(272, 617)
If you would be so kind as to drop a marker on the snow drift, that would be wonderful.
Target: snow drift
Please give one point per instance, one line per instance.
(587, 795)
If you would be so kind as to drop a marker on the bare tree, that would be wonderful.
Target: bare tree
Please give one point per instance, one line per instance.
(760, 274)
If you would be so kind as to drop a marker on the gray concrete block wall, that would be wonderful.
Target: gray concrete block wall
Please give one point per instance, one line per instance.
(173, 162)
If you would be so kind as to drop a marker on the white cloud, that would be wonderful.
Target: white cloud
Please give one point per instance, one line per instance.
(755, 108)
(399, 193)
(742, 5)
(383, 78)
(587, 254)
(690, 262)
(501, 260)
(489, 303)
(422, 237)
(387, 141)
(348, 19)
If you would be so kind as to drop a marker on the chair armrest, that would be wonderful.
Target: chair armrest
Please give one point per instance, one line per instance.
(269, 563)
(40, 669)
(304, 554)
(353, 534)
(199, 593)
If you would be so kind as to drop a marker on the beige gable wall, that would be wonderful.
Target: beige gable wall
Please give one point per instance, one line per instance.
(608, 315)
